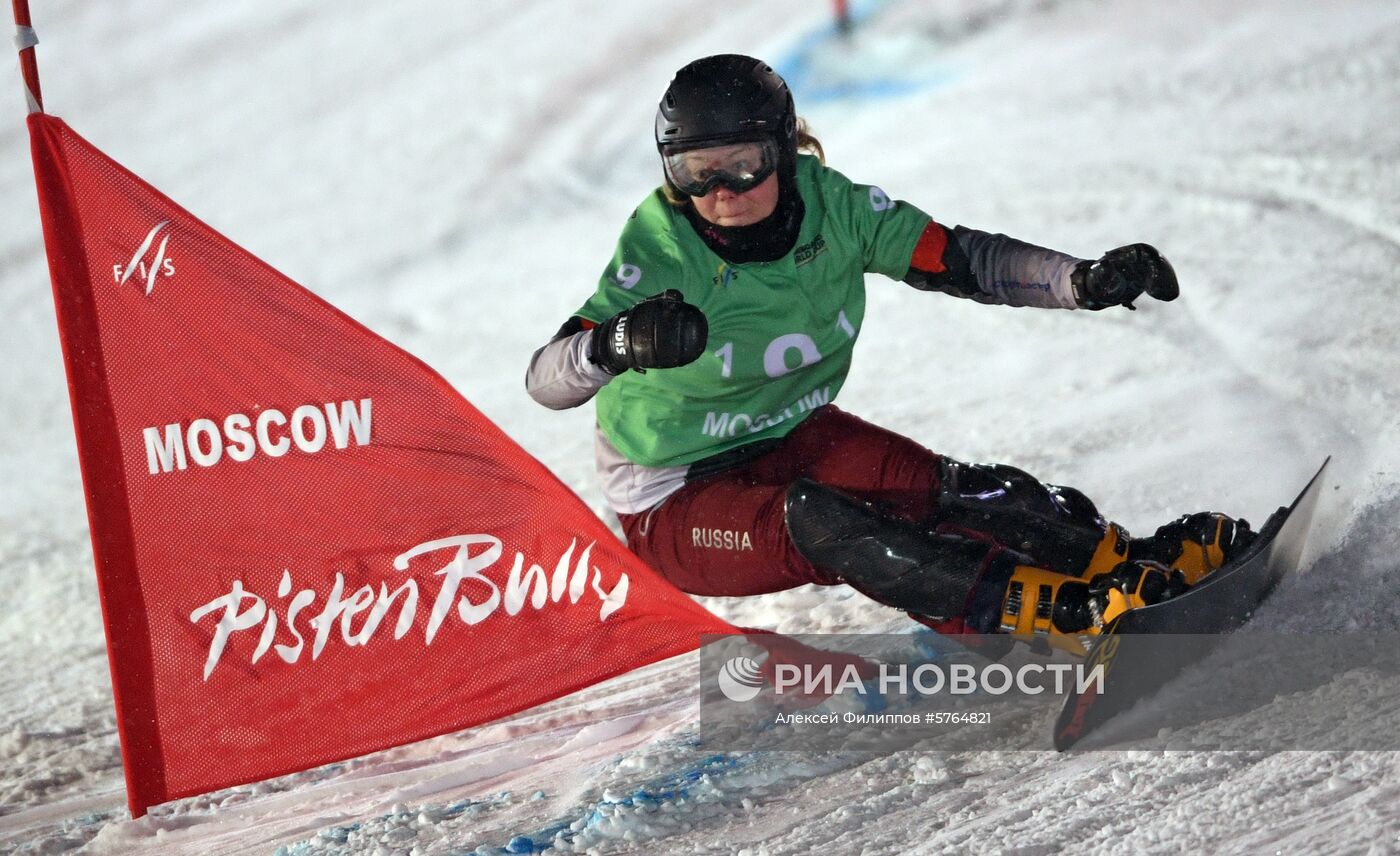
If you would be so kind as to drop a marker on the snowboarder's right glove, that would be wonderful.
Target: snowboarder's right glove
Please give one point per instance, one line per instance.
(661, 332)
(1121, 276)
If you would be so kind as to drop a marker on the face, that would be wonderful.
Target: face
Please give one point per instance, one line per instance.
(724, 207)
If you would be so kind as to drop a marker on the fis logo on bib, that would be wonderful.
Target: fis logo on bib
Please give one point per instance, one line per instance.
(739, 679)
(159, 264)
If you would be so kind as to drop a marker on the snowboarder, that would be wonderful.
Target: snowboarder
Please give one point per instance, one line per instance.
(722, 329)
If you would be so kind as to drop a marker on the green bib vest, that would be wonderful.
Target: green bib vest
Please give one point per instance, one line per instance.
(781, 332)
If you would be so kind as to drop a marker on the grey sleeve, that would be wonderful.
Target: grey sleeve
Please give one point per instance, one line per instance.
(560, 375)
(1014, 273)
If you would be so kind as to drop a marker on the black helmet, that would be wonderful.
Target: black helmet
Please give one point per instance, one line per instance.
(727, 97)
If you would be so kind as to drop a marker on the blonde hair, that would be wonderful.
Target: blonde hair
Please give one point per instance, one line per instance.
(806, 142)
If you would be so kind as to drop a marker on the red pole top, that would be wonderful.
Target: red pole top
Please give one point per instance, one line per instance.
(25, 40)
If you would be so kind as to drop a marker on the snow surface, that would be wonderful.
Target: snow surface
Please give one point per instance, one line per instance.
(454, 175)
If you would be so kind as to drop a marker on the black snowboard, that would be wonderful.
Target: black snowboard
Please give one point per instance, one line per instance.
(1220, 604)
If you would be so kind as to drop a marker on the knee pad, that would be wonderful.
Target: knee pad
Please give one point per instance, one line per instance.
(1058, 527)
(885, 558)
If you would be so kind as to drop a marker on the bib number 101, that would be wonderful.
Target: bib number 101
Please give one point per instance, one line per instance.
(776, 361)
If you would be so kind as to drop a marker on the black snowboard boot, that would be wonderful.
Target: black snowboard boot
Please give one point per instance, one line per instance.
(1196, 544)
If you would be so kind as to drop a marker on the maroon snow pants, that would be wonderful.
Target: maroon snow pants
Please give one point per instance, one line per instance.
(725, 535)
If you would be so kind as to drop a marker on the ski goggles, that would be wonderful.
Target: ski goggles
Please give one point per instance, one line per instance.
(740, 166)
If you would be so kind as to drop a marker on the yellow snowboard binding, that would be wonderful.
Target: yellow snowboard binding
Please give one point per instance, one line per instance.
(1124, 573)
(1068, 611)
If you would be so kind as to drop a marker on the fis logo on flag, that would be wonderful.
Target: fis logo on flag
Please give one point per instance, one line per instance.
(160, 264)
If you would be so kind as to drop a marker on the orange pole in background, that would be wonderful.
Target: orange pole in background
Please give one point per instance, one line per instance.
(28, 64)
(843, 17)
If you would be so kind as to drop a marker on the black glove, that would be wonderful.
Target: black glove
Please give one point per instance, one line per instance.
(661, 332)
(1121, 275)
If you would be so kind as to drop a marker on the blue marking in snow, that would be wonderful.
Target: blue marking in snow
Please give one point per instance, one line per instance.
(806, 79)
(873, 700)
(341, 834)
(931, 644)
(338, 834)
(334, 835)
(456, 808)
(669, 786)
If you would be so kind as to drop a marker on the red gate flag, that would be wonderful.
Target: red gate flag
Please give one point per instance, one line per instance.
(308, 545)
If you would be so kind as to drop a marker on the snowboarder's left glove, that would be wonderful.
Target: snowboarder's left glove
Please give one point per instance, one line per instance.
(1121, 276)
(661, 332)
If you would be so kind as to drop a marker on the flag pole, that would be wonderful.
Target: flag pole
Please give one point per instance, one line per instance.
(25, 40)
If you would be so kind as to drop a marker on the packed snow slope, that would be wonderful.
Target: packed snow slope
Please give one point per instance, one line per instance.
(454, 175)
